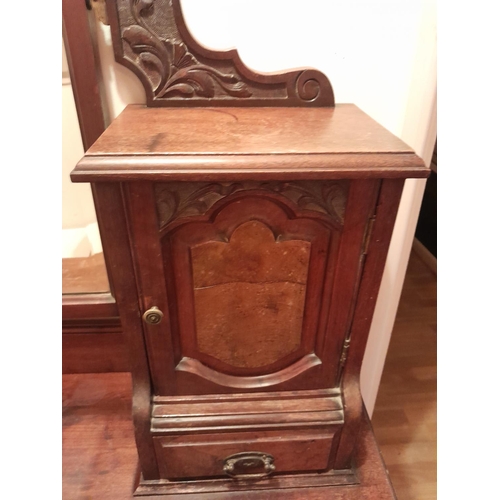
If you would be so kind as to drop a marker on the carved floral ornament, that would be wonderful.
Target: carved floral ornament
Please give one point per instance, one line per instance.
(172, 68)
(179, 199)
(151, 39)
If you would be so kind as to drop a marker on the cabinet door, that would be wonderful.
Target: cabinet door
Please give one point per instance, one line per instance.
(256, 280)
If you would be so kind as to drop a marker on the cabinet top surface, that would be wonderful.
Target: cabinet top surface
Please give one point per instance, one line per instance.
(195, 144)
(139, 130)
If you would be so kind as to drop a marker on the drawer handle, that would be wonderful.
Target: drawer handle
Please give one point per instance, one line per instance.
(234, 465)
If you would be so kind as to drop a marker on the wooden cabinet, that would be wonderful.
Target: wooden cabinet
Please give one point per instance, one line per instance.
(246, 246)
(245, 220)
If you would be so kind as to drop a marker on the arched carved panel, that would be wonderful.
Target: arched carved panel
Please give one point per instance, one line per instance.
(150, 38)
(182, 199)
(246, 278)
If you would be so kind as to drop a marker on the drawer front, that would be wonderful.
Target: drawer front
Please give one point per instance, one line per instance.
(243, 454)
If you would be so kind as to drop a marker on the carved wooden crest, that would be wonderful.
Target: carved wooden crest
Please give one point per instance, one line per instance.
(151, 39)
(183, 199)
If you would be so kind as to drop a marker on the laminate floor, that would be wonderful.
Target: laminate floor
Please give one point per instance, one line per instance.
(404, 419)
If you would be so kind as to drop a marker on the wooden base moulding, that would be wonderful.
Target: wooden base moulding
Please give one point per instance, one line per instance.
(367, 480)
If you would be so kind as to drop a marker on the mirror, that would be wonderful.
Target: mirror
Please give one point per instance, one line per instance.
(83, 266)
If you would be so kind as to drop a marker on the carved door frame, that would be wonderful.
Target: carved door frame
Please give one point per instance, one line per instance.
(159, 255)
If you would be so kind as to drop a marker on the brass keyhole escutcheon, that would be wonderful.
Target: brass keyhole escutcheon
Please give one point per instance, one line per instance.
(152, 316)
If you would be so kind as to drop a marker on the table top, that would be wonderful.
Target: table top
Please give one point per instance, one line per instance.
(139, 130)
(255, 143)
(97, 410)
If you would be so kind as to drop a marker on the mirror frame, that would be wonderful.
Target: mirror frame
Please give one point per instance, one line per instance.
(79, 25)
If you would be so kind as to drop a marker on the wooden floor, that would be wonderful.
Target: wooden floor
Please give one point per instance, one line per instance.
(98, 433)
(404, 419)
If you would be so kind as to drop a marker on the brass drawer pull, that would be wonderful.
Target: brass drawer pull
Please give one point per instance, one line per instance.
(152, 316)
(236, 465)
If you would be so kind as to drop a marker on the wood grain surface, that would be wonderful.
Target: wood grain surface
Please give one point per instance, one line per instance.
(210, 144)
(94, 352)
(249, 296)
(405, 413)
(152, 40)
(203, 455)
(100, 458)
(139, 130)
(80, 42)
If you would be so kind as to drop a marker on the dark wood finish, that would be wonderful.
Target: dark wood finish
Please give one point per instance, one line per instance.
(246, 144)
(210, 228)
(345, 129)
(233, 279)
(204, 455)
(89, 306)
(196, 372)
(100, 457)
(240, 168)
(178, 199)
(380, 237)
(85, 70)
(290, 410)
(251, 411)
(104, 351)
(87, 85)
(115, 239)
(92, 338)
(152, 40)
(229, 217)
(151, 285)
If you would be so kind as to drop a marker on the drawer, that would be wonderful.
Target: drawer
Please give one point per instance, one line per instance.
(252, 454)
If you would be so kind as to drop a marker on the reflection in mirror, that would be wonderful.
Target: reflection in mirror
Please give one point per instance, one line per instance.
(83, 268)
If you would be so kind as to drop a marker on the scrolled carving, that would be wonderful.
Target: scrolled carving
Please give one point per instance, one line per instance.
(307, 86)
(178, 199)
(151, 39)
(181, 200)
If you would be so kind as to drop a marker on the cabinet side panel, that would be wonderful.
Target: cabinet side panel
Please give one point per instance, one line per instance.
(385, 216)
(114, 233)
(360, 207)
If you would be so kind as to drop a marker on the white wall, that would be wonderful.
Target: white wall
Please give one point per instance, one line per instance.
(379, 55)
(418, 129)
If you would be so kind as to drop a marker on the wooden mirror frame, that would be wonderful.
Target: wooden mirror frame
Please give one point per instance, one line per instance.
(92, 338)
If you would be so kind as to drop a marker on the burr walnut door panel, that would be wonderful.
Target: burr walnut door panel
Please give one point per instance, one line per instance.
(249, 280)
